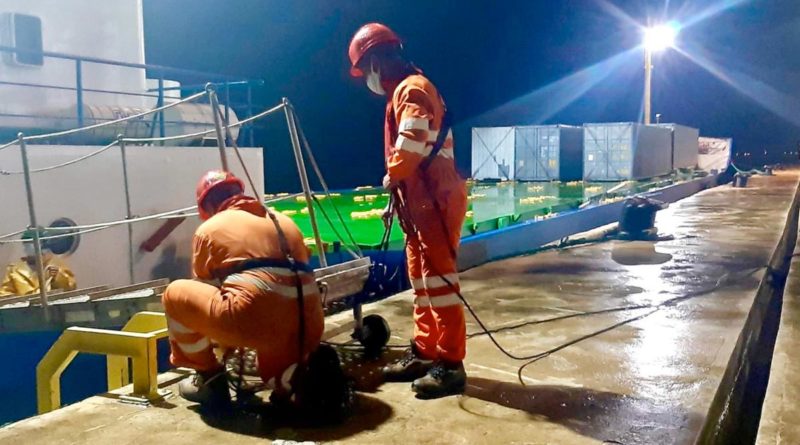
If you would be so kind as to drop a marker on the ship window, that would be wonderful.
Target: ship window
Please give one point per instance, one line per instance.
(66, 244)
(26, 31)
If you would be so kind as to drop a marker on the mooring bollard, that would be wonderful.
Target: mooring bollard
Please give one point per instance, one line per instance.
(740, 180)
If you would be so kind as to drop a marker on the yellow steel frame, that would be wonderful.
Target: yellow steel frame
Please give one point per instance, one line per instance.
(136, 341)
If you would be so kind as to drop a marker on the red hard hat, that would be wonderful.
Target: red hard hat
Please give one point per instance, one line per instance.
(367, 37)
(214, 179)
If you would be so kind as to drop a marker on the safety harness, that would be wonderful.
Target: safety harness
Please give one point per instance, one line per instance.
(406, 221)
(283, 243)
(444, 129)
(288, 262)
(318, 358)
(295, 267)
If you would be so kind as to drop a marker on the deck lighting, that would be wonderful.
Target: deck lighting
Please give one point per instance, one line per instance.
(656, 38)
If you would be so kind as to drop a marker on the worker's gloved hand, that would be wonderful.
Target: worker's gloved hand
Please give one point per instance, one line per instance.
(387, 183)
(387, 214)
(51, 271)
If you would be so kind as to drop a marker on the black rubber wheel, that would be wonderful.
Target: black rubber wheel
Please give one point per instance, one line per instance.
(375, 334)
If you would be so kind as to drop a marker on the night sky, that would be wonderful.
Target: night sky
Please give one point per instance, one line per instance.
(496, 63)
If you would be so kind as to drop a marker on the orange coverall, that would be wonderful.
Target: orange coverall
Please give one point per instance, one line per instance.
(413, 119)
(255, 308)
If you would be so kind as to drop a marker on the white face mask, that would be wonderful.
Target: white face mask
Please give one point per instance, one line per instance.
(29, 250)
(374, 81)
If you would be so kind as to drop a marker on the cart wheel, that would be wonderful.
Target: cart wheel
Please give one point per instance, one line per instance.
(374, 335)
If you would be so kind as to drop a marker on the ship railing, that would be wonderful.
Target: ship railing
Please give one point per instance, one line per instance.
(299, 144)
(223, 83)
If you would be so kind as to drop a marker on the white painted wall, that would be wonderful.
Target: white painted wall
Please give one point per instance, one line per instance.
(161, 178)
(107, 29)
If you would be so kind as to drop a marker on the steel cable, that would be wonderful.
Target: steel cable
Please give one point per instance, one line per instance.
(53, 167)
(105, 124)
(8, 144)
(51, 237)
(205, 132)
(324, 184)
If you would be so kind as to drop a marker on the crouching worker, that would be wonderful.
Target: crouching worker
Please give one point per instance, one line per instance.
(256, 304)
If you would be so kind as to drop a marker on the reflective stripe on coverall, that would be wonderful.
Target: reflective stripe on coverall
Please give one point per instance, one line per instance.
(413, 119)
(255, 308)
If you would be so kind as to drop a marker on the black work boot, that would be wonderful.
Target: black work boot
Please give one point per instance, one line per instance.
(208, 388)
(408, 368)
(326, 395)
(442, 380)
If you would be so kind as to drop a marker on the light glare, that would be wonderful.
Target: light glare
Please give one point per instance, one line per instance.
(660, 37)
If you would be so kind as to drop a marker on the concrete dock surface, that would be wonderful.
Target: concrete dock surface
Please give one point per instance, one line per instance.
(641, 376)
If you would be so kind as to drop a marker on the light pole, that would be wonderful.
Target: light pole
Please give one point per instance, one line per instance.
(656, 39)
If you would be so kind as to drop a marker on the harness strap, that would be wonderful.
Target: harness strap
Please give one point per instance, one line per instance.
(255, 263)
(295, 267)
(440, 138)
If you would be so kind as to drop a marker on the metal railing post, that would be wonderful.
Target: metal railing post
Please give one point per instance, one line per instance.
(161, 129)
(227, 104)
(212, 98)
(128, 215)
(79, 90)
(251, 127)
(301, 171)
(37, 243)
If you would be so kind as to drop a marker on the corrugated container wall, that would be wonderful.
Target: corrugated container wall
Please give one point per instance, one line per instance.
(685, 145)
(493, 153)
(549, 153)
(626, 150)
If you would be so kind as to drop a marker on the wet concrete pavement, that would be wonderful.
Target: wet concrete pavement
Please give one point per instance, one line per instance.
(649, 378)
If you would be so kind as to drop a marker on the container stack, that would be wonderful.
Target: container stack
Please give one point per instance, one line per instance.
(685, 145)
(493, 153)
(548, 153)
(626, 150)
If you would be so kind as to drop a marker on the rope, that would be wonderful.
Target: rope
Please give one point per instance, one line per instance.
(124, 221)
(8, 144)
(336, 232)
(283, 243)
(751, 171)
(178, 213)
(239, 156)
(205, 132)
(533, 358)
(12, 234)
(536, 357)
(318, 172)
(124, 119)
(63, 235)
(53, 167)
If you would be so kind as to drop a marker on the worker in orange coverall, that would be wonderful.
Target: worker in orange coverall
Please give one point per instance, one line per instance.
(256, 305)
(431, 204)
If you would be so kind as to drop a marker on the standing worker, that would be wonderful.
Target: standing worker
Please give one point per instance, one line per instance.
(430, 199)
(21, 277)
(261, 263)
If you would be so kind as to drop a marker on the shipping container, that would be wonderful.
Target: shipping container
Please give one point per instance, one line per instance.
(493, 153)
(548, 153)
(685, 145)
(625, 150)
